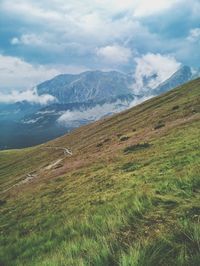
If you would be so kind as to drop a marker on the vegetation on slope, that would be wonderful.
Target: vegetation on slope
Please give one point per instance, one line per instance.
(132, 202)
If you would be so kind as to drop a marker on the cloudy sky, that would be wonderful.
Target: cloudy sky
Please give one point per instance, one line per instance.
(40, 39)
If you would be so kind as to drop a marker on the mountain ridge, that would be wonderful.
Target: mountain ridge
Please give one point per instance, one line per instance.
(65, 82)
(69, 88)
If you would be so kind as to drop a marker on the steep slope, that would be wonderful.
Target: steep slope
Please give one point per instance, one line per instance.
(128, 195)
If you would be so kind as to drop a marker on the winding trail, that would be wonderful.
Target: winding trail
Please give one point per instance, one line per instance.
(65, 150)
(30, 176)
(54, 164)
(27, 178)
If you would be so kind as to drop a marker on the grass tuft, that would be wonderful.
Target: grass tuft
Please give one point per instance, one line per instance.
(136, 147)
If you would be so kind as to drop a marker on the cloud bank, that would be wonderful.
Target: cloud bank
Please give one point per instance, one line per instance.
(97, 112)
(194, 35)
(92, 114)
(47, 35)
(153, 69)
(16, 73)
(30, 96)
(114, 54)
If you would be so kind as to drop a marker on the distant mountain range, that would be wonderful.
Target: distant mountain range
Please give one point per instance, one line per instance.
(88, 86)
(98, 86)
(81, 98)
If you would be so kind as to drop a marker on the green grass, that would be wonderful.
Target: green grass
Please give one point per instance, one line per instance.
(124, 203)
(181, 247)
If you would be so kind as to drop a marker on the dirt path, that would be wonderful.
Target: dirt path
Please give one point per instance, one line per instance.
(28, 178)
(65, 150)
(53, 165)
(31, 176)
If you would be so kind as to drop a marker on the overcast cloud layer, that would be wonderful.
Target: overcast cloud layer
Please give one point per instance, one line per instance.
(40, 39)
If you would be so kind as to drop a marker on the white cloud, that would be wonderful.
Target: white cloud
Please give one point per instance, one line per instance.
(76, 20)
(27, 39)
(14, 41)
(146, 7)
(194, 35)
(73, 29)
(92, 114)
(88, 23)
(69, 31)
(152, 69)
(114, 54)
(139, 100)
(30, 10)
(32, 121)
(28, 95)
(97, 112)
(94, 21)
(58, 9)
(137, 7)
(16, 73)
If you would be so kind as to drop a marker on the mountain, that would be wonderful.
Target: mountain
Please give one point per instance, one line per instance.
(128, 193)
(81, 99)
(88, 86)
(25, 124)
(17, 110)
(195, 73)
(98, 86)
(181, 76)
(94, 92)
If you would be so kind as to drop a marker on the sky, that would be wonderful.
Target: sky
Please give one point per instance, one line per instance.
(43, 38)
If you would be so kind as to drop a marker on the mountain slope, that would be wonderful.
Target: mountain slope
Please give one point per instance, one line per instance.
(181, 76)
(129, 194)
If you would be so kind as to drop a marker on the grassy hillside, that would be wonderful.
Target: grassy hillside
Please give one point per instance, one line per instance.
(128, 196)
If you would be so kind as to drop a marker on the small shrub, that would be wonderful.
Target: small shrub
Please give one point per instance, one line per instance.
(2, 202)
(175, 107)
(134, 129)
(194, 110)
(99, 145)
(130, 166)
(136, 147)
(160, 124)
(123, 138)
